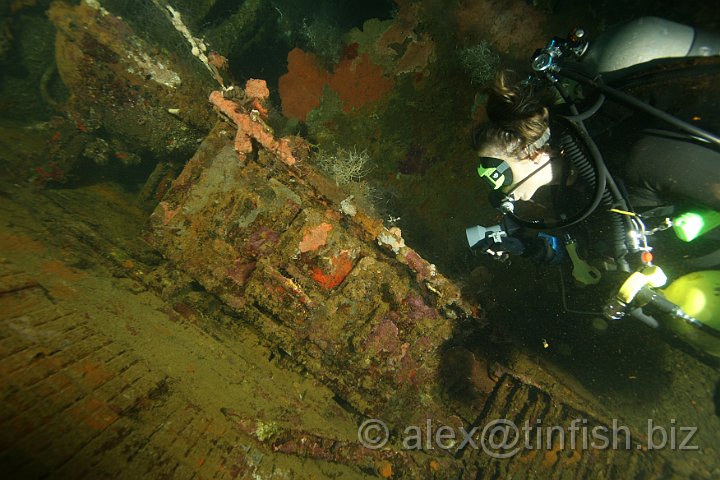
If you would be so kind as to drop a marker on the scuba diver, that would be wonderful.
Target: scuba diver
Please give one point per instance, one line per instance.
(616, 161)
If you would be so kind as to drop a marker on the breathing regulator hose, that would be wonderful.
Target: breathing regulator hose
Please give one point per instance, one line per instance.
(606, 191)
(548, 63)
(638, 104)
(621, 224)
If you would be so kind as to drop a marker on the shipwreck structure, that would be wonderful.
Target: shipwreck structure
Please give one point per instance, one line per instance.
(315, 317)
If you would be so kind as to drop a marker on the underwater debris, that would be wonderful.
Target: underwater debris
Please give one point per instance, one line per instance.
(386, 462)
(120, 88)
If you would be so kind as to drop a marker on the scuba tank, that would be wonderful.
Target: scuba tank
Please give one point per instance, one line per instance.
(698, 294)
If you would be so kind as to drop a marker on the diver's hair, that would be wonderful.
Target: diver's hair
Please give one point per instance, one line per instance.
(516, 113)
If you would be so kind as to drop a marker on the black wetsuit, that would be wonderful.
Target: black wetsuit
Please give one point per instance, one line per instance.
(662, 167)
(657, 162)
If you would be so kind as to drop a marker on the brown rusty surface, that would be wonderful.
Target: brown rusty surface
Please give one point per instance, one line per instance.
(122, 84)
(342, 307)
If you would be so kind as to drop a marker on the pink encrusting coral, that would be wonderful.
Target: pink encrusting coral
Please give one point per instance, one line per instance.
(417, 308)
(384, 337)
(314, 238)
(240, 271)
(261, 242)
(424, 269)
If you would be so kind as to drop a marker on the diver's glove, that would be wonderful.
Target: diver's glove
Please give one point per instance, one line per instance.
(494, 241)
(546, 249)
(502, 250)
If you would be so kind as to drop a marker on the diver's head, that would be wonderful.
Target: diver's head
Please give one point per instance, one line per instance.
(513, 145)
(517, 113)
(521, 178)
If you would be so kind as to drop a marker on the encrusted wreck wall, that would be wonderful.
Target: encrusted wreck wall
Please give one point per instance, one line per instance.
(325, 287)
(120, 84)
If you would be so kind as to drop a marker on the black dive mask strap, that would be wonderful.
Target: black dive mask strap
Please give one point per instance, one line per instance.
(538, 144)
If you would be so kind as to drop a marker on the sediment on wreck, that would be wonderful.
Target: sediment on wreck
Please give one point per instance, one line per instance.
(128, 102)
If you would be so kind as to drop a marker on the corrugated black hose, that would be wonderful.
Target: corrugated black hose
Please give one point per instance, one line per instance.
(610, 197)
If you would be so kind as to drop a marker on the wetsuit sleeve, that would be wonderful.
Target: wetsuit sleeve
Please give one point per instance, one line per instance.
(676, 169)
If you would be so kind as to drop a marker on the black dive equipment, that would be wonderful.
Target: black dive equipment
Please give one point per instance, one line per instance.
(496, 172)
(638, 295)
(549, 64)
